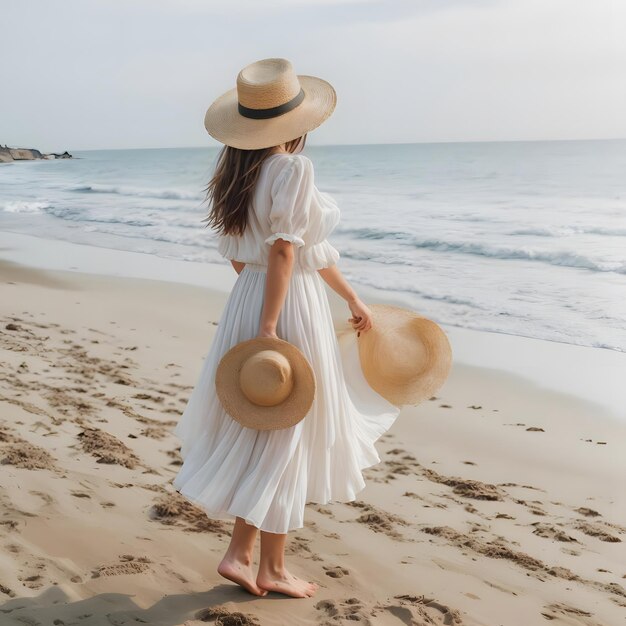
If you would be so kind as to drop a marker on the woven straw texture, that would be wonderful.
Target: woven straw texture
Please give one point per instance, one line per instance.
(282, 415)
(405, 357)
(262, 85)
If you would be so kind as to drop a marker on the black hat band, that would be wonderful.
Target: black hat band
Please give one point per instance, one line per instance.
(263, 114)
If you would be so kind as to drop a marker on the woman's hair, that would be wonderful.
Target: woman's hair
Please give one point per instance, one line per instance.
(230, 190)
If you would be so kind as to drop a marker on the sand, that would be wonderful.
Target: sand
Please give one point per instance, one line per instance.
(496, 502)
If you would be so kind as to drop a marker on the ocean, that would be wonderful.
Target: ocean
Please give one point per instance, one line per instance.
(525, 238)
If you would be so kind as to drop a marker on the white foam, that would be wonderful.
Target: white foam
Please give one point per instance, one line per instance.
(166, 194)
(21, 206)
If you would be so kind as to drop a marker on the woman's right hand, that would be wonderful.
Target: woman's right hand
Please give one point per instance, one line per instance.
(267, 332)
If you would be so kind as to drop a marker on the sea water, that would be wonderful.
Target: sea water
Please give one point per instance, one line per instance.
(526, 238)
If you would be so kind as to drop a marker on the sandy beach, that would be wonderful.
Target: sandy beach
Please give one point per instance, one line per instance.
(497, 502)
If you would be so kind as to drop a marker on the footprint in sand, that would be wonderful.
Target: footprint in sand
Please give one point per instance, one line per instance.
(422, 610)
(80, 494)
(491, 549)
(397, 467)
(147, 396)
(107, 448)
(323, 510)
(595, 530)
(7, 591)
(396, 451)
(557, 610)
(332, 535)
(26, 455)
(175, 456)
(154, 432)
(351, 609)
(551, 532)
(465, 487)
(377, 520)
(129, 565)
(35, 581)
(336, 572)
(301, 546)
(172, 509)
(429, 503)
(532, 506)
(223, 617)
(583, 510)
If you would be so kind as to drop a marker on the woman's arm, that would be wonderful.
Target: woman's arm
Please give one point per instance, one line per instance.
(361, 319)
(336, 281)
(238, 265)
(279, 268)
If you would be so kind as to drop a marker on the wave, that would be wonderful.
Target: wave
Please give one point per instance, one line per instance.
(150, 219)
(372, 233)
(564, 231)
(75, 216)
(478, 315)
(21, 206)
(188, 238)
(536, 231)
(385, 285)
(564, 258)
(164, 194)
(470, 218)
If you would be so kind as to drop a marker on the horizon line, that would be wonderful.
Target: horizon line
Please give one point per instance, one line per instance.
(349, 145)
(393, 143)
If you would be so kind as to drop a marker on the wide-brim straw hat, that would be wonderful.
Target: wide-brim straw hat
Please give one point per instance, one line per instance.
(404, 356)
(270, 105)
(265, 383)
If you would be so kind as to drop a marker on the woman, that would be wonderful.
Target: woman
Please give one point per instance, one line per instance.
(272, 224)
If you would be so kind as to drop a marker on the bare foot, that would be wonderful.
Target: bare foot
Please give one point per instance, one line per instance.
(285, 582)
(240, 573)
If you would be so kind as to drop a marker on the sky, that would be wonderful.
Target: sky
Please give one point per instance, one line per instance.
(96, 74)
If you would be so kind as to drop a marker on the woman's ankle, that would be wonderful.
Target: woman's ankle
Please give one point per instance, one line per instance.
(245, 558)
(272, 569)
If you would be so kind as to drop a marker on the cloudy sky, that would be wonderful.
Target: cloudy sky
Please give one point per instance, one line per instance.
(88, 74)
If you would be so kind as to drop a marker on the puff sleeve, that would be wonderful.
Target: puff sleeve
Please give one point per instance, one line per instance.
(291, 193)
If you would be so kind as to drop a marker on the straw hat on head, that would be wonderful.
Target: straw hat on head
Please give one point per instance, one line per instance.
(270, 105)
(265, 383)
(405, 357)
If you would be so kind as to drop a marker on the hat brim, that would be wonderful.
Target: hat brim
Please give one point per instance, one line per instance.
(224, 122)
(284, 415)
(417, 385)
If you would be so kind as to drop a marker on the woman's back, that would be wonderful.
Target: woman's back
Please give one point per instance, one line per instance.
(286, 204)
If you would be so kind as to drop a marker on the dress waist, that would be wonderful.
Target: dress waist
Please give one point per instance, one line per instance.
(256, 267)
(259, 267)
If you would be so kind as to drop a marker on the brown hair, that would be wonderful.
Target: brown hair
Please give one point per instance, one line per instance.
(230, 189)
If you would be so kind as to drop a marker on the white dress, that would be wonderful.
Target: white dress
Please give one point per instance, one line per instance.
(267, 477)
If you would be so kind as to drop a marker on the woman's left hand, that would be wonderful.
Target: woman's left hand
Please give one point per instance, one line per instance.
(361, 319)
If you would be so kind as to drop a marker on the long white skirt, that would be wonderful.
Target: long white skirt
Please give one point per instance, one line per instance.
(267, 477)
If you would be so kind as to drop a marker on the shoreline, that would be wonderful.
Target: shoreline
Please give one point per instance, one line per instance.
(549, 365)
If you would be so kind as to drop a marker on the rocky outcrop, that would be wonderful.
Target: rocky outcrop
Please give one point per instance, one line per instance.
(8, 155)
